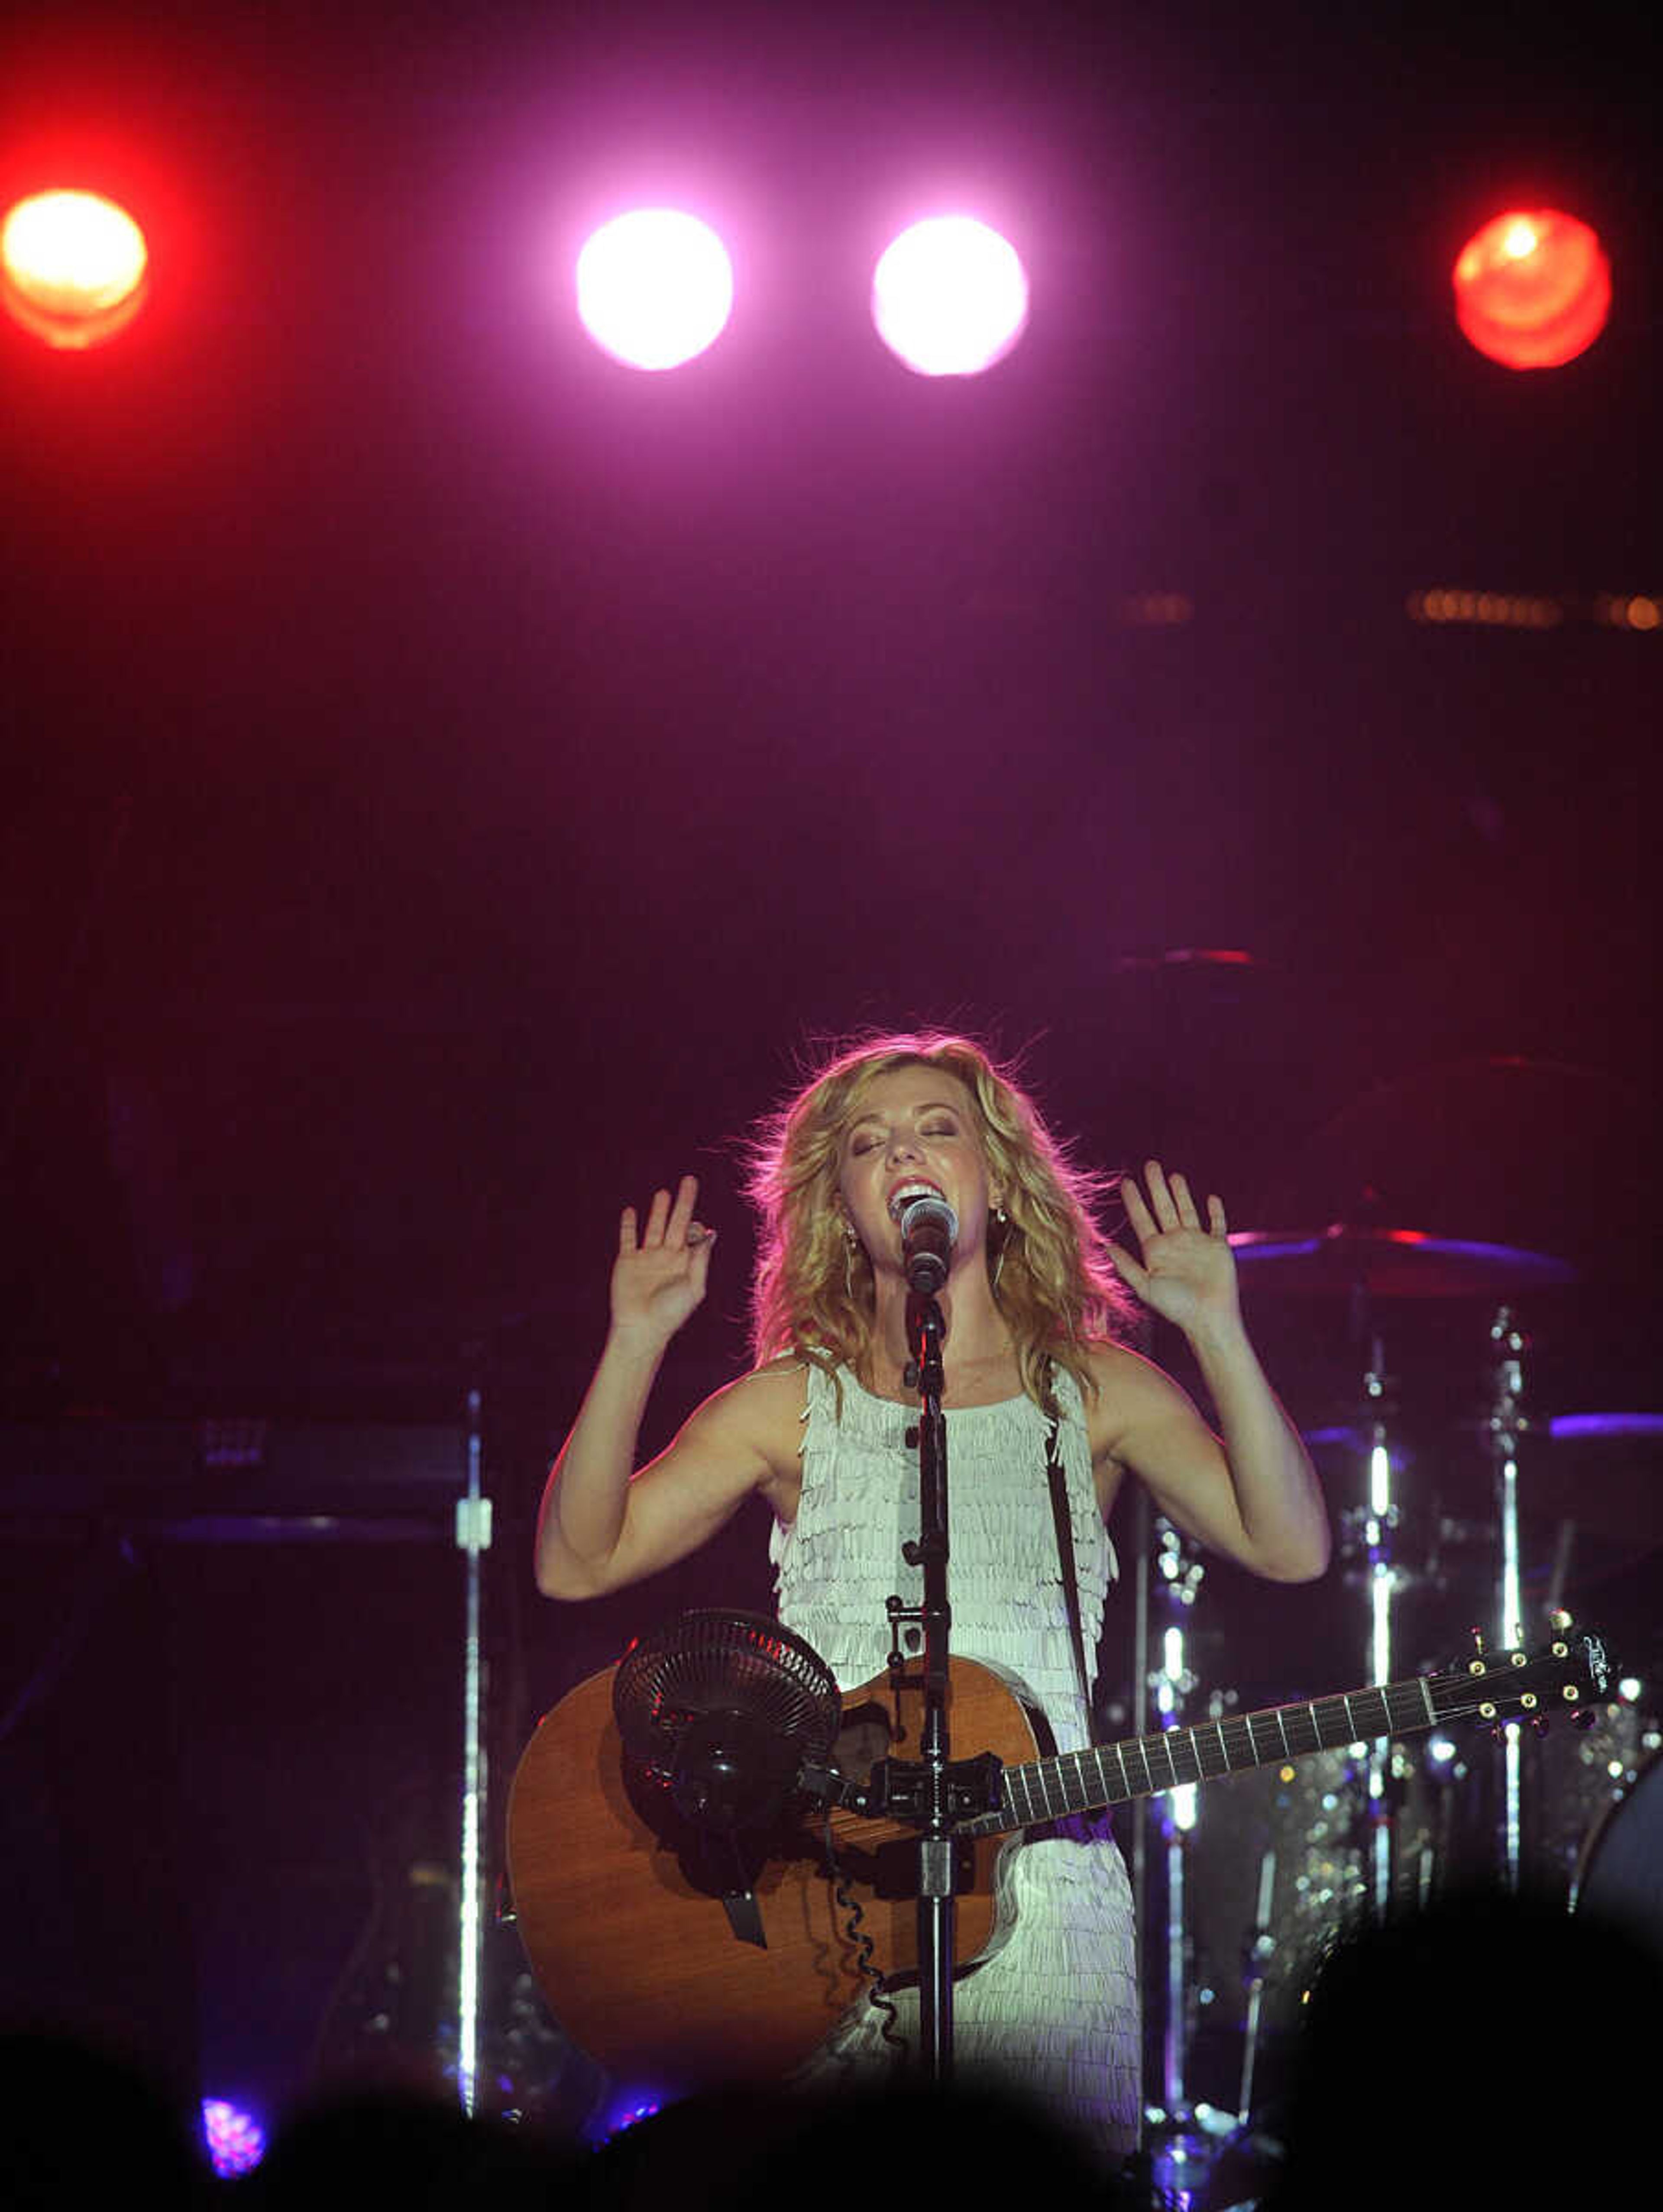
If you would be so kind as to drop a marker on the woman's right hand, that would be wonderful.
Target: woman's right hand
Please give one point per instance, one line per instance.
(659, 1277)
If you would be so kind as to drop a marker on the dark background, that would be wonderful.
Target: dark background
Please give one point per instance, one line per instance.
(453, 783)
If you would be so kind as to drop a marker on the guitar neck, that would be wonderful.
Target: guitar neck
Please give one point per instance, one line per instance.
(1143, 1765)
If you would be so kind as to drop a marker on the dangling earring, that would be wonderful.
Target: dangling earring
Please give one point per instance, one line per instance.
(851, 1244)
(1003, 1221)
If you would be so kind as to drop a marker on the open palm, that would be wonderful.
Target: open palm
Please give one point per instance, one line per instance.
(659, 1275)
(1186, 1272)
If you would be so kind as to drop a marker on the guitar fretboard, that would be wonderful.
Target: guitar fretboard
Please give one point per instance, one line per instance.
(1142, 1766)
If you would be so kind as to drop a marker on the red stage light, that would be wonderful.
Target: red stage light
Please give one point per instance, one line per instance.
(72, 267)
(1532, 289)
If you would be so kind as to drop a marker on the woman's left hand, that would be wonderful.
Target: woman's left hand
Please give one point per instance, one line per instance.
(1188, 1271)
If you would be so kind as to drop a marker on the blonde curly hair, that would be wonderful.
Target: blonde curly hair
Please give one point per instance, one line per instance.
(812, 1293)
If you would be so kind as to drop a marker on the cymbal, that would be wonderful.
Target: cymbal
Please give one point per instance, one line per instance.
(1603, 1471)
(1390, 1263)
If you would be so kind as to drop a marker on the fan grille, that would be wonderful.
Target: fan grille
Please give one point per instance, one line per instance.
(714, 1661)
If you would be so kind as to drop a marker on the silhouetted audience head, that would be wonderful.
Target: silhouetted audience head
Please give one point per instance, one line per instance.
(84, 2122)
(757, 2150)
(1489, 2049)
(411, 2147)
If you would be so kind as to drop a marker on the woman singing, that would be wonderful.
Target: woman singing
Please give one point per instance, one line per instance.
(1034, 1297)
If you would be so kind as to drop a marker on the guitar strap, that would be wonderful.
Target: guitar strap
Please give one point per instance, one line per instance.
(1059, 1507)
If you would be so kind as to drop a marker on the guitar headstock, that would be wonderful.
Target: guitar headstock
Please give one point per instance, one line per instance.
(1571, 1675)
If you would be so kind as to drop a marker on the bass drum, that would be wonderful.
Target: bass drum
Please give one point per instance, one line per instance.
(1580, 1777)
(1620, 1878)
(1296, 1838)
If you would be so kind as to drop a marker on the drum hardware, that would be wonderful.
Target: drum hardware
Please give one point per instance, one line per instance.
(1367, 1263)
(1586, 1772)
(1369, 1532)
(1185, 2137)
(1181, 1574)
(1380, 1525)
(1506, 1424)
(1384, 1827)
(1620, 1872)
(1259, 1954)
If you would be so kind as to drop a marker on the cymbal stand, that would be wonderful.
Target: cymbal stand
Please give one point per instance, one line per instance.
(1368, 1532)
(1261, 1953)
(1179, 1575)
(1506, 1424)
(1380, 1519)
(473, 1540)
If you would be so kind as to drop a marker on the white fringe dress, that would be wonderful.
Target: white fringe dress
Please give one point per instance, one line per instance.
(1054, 2008)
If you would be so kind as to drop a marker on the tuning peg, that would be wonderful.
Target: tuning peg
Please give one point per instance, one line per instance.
(1588, 1718)
(1477, 1636)
(1559, 1619)
(1538, 1725)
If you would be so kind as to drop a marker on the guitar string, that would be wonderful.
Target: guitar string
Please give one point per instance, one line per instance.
(1208, 1746)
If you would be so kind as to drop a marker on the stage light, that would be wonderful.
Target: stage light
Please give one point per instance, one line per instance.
(654, 288)
(1493, 609)
(623, 2112)
(949, 297)
(236, 2142)
(1532, 290)
(1641, 613)
(72, 267)
(1156, 610)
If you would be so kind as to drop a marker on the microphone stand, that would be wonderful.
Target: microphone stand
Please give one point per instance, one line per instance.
(936, 1853)
(932, 1794)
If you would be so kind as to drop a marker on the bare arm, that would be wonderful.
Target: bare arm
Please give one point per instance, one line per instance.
(601, 1525)
(1253, 1494)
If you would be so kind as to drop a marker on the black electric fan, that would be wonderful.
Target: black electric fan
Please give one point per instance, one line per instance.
(721, 1709)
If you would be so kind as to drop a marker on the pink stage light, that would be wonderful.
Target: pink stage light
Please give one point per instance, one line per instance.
(654, 288)
(949, 297)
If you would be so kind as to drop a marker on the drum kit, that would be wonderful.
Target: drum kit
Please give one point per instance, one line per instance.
(1485, 1534)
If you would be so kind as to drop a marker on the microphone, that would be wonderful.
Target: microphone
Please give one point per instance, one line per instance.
(929, 1230)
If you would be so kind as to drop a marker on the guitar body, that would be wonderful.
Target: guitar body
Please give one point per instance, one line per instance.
(679, 1965)
(624, 1921)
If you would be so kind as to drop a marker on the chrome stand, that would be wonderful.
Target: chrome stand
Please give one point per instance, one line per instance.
(473, 1540)
(1185, 2138)
(1506, 1424)
(1368, 1533)
(1380, 1524)
(1181, 1576)
(1261, 1950)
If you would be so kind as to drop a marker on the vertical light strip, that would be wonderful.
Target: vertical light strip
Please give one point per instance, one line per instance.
(1381, 1583)
(1512, 1621)
(1174, 2087)
(1182, 1799)
(473, 1539)
(1512, 1629)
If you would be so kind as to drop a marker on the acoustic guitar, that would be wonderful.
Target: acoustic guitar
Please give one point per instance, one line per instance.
(689, 1960)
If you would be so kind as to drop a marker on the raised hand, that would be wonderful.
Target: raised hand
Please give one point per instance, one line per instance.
(659, 1276)
(1187, 1273)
